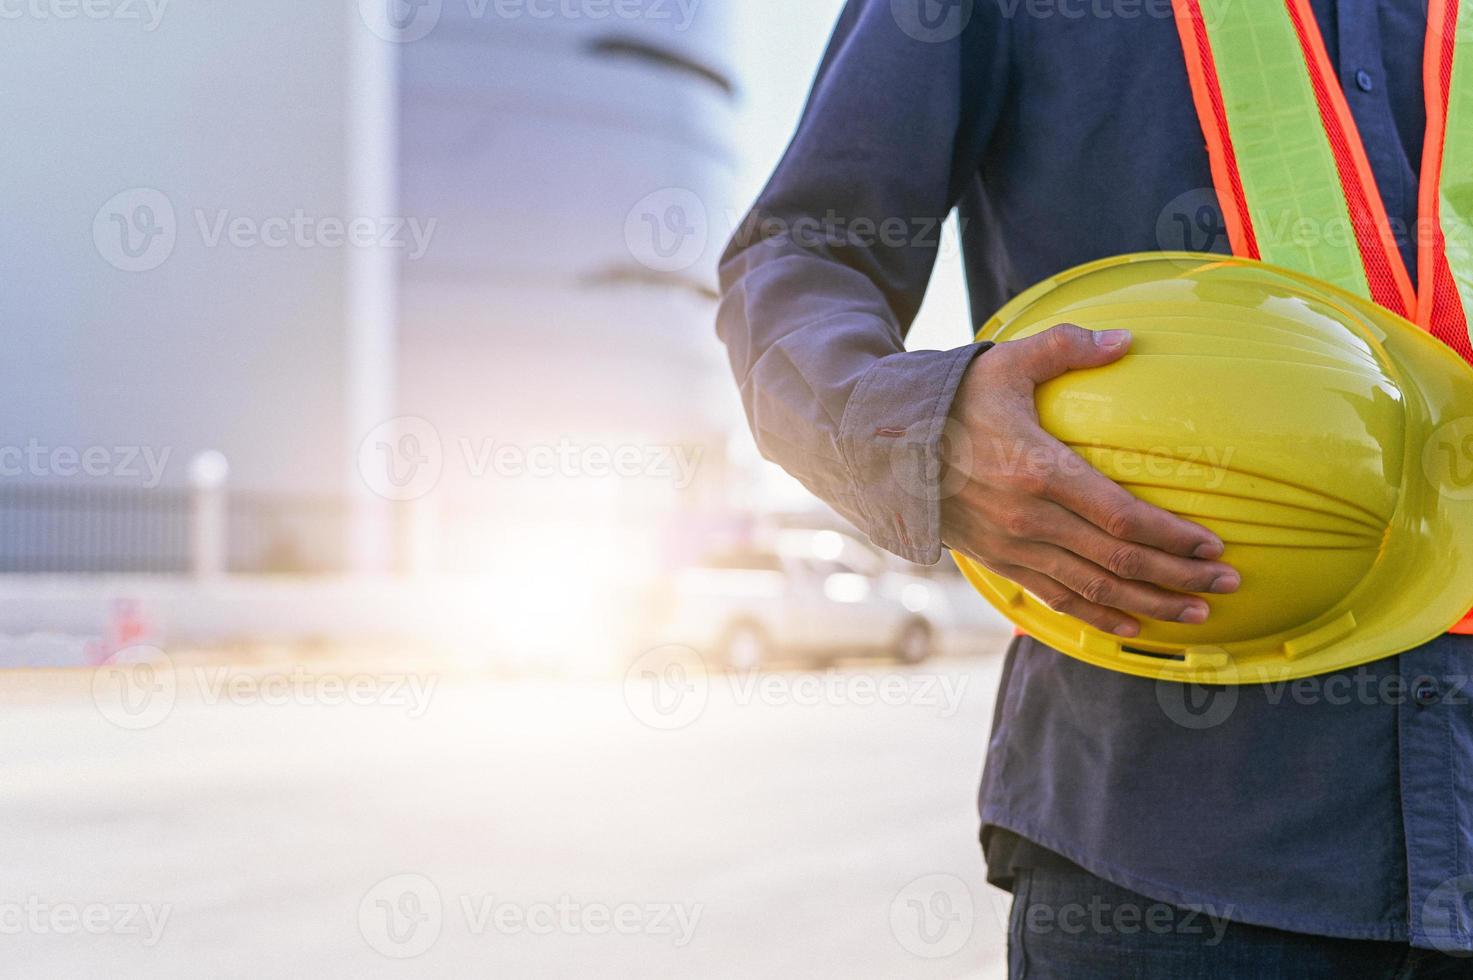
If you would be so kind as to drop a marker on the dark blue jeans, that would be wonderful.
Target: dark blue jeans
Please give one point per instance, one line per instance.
(1070, 925)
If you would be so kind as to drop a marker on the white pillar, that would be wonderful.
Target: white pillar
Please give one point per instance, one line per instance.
(208, 519)
(372, 283)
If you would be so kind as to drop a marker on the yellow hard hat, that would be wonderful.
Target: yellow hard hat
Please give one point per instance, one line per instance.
(1327, 441)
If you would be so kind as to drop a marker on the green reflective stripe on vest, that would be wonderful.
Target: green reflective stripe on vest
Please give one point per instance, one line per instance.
(1456, 193)
(1287, 167)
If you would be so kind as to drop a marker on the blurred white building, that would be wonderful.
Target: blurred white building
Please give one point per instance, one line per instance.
(267, 229)
(580, 168)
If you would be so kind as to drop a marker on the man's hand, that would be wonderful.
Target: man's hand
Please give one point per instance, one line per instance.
(1032, 511)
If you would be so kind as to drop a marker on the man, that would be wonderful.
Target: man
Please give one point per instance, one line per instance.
(1333, 834)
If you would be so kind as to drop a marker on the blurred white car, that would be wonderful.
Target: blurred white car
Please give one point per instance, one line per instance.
(811, 596)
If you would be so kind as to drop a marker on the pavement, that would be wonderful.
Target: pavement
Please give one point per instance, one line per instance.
(291, 821)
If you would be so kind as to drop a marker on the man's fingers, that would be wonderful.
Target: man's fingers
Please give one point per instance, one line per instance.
(1138, 562)
(1046, 519)
(1062, 599)
(1101, 588)
(1112, 508)
(1063, 348)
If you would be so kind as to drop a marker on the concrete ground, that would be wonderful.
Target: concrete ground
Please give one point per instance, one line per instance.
(296, 822)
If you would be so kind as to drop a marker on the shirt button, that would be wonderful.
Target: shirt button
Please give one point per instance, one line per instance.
(1364, 80)
(1426, 693)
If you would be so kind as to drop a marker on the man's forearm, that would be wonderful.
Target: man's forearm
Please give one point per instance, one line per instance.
(822, 281)
(840, 405)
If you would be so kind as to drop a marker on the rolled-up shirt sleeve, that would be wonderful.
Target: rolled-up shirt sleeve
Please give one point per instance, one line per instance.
(822, 280)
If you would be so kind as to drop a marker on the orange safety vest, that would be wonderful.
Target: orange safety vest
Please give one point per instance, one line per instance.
(1290, 169)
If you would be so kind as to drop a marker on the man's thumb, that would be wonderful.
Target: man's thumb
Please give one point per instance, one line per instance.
(1067, 347)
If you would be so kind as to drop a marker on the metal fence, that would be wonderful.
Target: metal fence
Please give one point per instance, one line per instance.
(100, 529)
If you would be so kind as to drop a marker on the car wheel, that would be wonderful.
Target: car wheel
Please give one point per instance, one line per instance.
(744, 647)
(916, 643)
